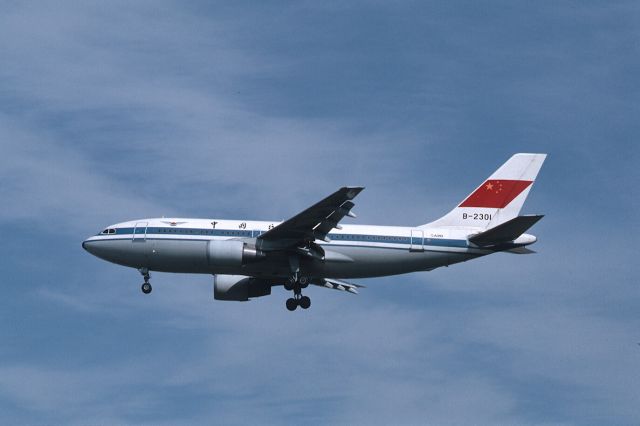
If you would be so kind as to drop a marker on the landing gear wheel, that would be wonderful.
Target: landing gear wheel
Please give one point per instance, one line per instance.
(146, 287)
(304, 302)
(304, 282)
(296, 283)
(292, 304)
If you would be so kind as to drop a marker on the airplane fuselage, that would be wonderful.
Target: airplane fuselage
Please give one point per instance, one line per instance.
(247, 258)
(355, 251)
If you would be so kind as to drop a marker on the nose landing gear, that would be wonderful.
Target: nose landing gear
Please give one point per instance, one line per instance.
(146, 286)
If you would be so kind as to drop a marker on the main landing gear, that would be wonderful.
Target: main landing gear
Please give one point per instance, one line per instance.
(146, 286)
(296, 285)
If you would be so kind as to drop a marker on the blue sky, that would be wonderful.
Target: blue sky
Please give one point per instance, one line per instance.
(111, 111)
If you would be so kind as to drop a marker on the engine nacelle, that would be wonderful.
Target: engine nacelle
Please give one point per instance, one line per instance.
(239, 287)
(231, 253)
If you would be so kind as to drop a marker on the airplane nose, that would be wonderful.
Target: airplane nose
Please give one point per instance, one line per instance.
(115, 251)
(89, 246)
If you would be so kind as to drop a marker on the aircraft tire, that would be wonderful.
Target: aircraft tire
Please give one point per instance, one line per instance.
(292, 304)
(146, 288)
(305, 302)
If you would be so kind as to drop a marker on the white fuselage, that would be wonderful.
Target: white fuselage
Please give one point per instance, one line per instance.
(355, 251)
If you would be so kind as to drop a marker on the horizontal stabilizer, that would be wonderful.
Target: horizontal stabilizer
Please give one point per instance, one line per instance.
(505, 232)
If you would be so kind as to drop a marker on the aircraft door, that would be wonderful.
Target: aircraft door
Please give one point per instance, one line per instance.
(417, 239)
(140, 232)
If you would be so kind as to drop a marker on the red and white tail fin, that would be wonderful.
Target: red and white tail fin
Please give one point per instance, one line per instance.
(499, 198)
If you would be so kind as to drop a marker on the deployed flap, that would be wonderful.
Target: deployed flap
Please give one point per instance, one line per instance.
(340, 285)
(313, 223)
(505, 232)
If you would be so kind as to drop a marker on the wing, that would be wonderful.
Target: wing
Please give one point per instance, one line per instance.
(313, 223)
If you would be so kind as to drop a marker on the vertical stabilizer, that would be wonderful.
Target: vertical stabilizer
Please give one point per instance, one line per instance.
(499, 198)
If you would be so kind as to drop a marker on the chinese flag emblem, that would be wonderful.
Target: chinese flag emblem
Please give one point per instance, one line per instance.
(496, 194)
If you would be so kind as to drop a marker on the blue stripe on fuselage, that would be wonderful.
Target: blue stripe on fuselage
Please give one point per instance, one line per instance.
(364, 238)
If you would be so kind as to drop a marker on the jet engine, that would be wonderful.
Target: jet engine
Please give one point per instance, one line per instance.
(231, 253)
(239, 287)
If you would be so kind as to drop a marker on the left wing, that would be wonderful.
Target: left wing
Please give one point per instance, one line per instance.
(311, 224)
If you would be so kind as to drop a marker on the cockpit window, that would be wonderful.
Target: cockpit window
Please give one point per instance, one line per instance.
(109, 231)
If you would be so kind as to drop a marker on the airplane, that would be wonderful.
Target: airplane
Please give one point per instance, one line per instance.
(247, 258)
